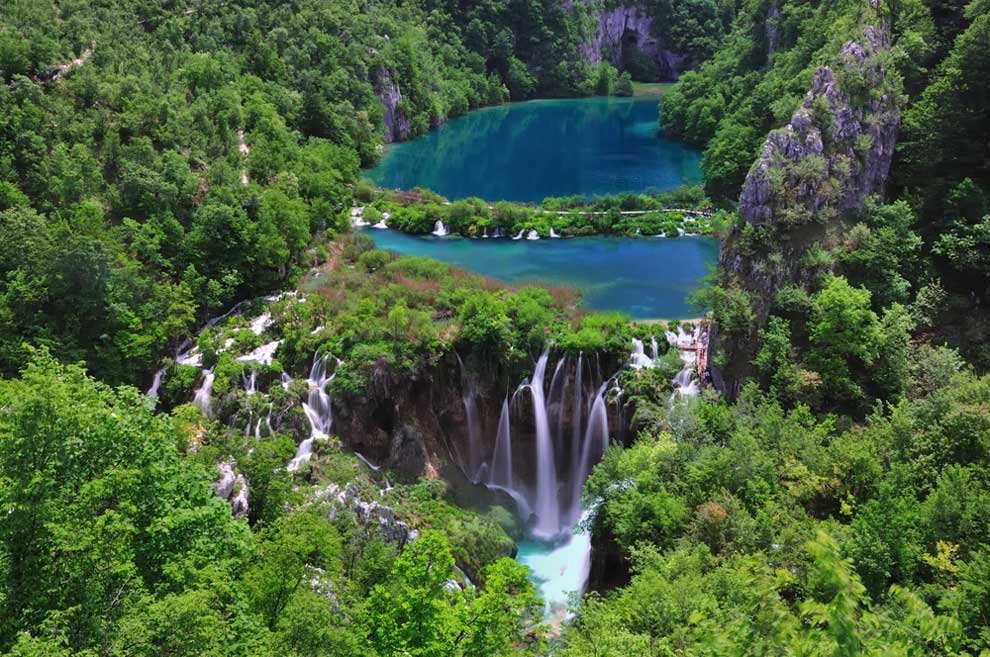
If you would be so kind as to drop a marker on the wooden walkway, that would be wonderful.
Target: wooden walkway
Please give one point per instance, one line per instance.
(700, 347)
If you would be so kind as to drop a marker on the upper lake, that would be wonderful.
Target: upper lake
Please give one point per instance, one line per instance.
(533, 150)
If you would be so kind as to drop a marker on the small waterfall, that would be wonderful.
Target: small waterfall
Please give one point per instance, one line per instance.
(156, 383)
(264, 354)
(474, 466)
(639, 359)
(547, 503)
(533, 235)
(357, 217)
(318, 410)
(260, 323)
(520, 235)
(553, 235)
(439, 229)
(286, 380)
(484, 233)
(501, 470)
(202, 400)
(684, 383)
(250, 382)
(381, 225)
(654, 347)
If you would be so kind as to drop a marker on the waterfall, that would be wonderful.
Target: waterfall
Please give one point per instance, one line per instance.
(501, 470)
(639, 359)
(547, 504)
(576, 414)
(439, 229)
(318, 410)
(654, 347)
(202, 399)
(484, 233)
(553, 235)
(156, 383)
(263, 354)
(250, 382)
(555, 403)
(520, 235)
(260, 323)
(596, 434)
(286, 380)
(474, 466)
(533, 235)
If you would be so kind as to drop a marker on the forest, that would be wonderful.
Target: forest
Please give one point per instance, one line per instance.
(178, 182)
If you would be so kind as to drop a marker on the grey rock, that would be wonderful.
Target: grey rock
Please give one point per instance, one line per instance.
(771, 29)
(233, 487)
(625, 26)
(370, 516)
(397, 125)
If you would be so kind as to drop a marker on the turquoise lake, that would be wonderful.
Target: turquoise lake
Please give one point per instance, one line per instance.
(529, 151)
(646, 277)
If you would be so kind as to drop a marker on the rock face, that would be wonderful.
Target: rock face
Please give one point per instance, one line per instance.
(233, 487)
(835, 152)
(626, 27)
(370, 516)
(397, 126)
(771, 29)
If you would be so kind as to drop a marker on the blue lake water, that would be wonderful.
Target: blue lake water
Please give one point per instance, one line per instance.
(646, 278)
(529, 151)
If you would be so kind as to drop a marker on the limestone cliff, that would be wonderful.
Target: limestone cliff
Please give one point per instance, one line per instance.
(619, 30)
(835, 152)
(397, 125)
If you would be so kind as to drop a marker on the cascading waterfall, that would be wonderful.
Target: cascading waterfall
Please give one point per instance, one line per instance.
(250, 382)
(439, 229)
(286, 380)
(156, 384)
(203, 399)
(593, 446)
(555, 403)
(501, 470)
(576, 414)
(318, 410)
(557, 552)
(547, 502)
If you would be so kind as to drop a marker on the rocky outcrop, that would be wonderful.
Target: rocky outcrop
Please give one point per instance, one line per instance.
(397, 125)
(771, 29)
(370, 516)
(621, 29)
(233, 487)
(834, 153)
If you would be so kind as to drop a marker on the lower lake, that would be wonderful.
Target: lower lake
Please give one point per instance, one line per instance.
(533, 150)
(644, 277)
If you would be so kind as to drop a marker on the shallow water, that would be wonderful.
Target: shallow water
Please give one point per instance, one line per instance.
(557, 569)
(646, 278)
(529, 151)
